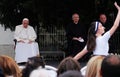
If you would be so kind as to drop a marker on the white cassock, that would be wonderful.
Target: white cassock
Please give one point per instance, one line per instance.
(25, 50)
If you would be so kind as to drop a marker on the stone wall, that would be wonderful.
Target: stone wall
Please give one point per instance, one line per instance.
(7, 50)
(6, 42)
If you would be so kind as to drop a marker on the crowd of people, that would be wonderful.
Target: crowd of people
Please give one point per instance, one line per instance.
(97, 66)
(100, 64)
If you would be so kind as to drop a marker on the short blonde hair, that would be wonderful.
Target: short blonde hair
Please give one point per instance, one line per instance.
(94, 66)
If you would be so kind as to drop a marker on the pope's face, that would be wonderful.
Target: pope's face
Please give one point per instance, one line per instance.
(25, 23)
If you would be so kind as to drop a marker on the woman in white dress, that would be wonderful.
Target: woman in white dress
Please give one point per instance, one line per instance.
(97, 39)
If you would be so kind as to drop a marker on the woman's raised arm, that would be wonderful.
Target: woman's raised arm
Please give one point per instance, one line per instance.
(117, 20)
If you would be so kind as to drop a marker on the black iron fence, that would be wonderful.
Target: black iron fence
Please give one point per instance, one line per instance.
(52, 42)
(115, 43)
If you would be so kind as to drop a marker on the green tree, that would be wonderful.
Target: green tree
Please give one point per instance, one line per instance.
(47, 12)
(12, 12)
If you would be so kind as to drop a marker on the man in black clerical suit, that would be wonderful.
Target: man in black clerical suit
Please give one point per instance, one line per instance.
(76, 35)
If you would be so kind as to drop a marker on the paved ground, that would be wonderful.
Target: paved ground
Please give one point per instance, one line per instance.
(9, 50)
(54, 58)
(56, 63)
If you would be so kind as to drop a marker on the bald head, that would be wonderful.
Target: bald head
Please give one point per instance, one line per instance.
(75, 18)
(111, 66)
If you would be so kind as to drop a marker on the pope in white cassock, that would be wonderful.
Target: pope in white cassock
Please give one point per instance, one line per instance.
(26, 46)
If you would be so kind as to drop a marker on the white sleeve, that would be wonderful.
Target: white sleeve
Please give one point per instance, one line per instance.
(106, 36)
(16, 33)
(33, 34)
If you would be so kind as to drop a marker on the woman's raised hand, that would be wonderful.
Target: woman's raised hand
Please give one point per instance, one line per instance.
(117, 6)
